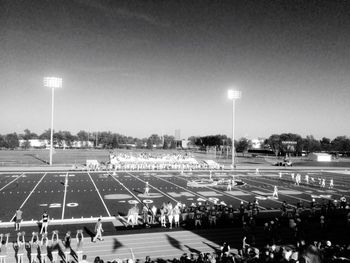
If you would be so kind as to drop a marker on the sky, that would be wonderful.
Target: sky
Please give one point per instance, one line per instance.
(143, 67)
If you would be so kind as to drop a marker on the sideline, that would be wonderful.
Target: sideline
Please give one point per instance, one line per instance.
(71, 221)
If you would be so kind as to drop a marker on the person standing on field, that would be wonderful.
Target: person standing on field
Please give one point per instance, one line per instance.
(98, 230)
(146, 189)
(275, 192)
(18, 219)
(45, 223)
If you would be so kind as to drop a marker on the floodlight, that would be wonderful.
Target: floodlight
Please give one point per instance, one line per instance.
(234, 94)
(53, 82)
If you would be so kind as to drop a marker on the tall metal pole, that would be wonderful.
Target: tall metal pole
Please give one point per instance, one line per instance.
(52, 82)
(51, 137)
(233, 134)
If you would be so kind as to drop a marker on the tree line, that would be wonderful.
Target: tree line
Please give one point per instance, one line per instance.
(104, 139)
(278, 144)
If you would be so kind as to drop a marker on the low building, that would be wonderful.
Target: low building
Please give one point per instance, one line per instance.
(33, 143)
(320, 157)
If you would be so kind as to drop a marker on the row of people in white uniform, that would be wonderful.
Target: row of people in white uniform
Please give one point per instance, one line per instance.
(168, 214)
(38, 246)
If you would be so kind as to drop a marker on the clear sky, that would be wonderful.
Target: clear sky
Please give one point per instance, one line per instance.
(143, 67)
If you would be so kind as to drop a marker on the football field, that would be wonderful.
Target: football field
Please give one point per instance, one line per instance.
(75, 199)
(83, 194)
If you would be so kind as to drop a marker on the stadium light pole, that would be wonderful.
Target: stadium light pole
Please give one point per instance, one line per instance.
(233, 95)
(53, 83)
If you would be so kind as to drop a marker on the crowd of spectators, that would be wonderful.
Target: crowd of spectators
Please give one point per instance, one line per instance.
(301, 252)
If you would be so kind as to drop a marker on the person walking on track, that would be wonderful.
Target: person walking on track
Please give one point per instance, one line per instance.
(98, 230)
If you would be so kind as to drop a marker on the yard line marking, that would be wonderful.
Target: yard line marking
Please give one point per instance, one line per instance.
(226, 194)
(194, 193)
(98, 192)
(274, 200)
(31, 192)
(127, 189)
(65, 194)
(11, 182)
(155, 188)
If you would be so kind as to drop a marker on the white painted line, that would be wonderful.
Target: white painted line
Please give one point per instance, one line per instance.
(127, 189)
(155, 188)
(98, 192)
(187, 190)
(31, 192)
(11, 182)
(64, 195)
(72, 221)
(222, 192)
